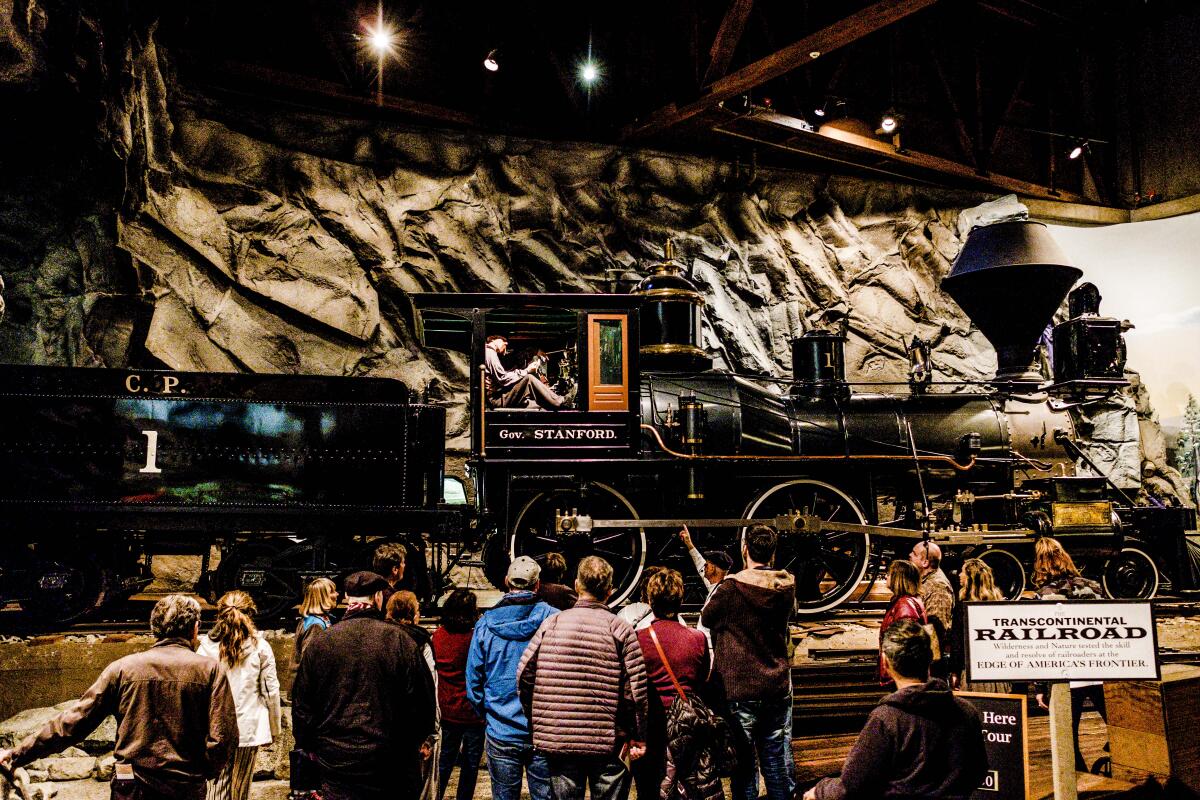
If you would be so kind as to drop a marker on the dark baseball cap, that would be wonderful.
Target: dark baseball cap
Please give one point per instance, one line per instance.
(364, 584)
(719, 558)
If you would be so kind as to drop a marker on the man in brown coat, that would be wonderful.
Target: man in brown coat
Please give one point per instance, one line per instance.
(583, 685)
(176, 724)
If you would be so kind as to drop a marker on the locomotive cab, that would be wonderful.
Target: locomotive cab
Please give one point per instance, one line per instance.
(581, 347)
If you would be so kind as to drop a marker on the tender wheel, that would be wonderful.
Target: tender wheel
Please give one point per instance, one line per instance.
(533, 533)
(828, 565)
(1130, 575)
(269, 571)
(1007, 571)
(70, 587)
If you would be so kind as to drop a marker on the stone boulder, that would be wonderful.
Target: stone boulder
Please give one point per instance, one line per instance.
(29, 721)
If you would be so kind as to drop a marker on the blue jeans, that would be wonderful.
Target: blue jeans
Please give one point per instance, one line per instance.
(506, 762)
(461, 745)
(606, 777)
(767, 726)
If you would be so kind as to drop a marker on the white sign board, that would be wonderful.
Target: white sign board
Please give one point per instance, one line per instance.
(1078, 640)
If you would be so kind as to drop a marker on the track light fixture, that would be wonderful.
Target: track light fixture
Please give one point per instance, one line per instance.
(1078, 149)
(889, 122)
(490, 63)
(830, 105)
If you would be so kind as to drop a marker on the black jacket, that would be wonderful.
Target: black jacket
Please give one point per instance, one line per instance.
(919, 743)
(363, 703)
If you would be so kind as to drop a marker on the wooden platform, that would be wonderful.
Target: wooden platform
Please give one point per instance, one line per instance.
(823, 755)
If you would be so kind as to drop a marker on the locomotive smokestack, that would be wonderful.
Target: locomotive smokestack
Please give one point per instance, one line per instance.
(1010, 278)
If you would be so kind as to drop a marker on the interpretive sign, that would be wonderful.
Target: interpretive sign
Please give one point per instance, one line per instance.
(1006, 738)
(1082, 640)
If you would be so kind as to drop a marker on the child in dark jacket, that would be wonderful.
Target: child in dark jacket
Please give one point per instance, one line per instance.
(462, 727)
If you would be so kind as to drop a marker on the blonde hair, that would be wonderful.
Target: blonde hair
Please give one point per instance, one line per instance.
(234, 626)
(1051, 561)
(318, 598)
(904, 579)
(977, 582)
(403, 607)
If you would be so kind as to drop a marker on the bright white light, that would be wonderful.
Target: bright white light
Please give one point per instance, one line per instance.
(1076, 152)
(589, 72)
(819, 111)
(490, 63)
(888, 123)
(381, 40)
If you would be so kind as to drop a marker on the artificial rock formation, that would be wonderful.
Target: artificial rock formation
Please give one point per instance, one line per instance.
(244, 238)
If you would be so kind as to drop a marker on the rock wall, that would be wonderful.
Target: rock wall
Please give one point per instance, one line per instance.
(235, 237)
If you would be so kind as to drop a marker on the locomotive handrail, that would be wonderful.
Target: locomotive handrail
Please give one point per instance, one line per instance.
(908, 457)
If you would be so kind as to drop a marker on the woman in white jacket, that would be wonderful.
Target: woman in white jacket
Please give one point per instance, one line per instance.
(255, 685)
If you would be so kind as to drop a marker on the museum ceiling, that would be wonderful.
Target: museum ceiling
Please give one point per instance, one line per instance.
(988, 92)
(991, 94)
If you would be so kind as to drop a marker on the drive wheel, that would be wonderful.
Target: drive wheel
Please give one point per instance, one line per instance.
(828, 565)
(534, 535)
(1130, 575)
(1007, 570)
(70, 587)
(269, 571)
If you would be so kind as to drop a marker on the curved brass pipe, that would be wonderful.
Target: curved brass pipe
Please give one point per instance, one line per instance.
(940, 459)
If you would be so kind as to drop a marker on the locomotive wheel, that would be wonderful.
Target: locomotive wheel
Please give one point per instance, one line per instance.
(828, 565)
(1130, 575)
(72, 587)
(533, 533)
(262, 570)
(1007, 570)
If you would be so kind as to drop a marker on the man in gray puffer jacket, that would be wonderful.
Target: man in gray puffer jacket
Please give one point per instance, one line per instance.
(583, 686)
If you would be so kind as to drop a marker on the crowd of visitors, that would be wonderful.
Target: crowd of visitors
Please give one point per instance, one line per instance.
(562, 694)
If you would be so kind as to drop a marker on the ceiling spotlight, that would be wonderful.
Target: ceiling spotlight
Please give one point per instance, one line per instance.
(889, 122)
(814, 54)
(1077, 150)
(490, 63)
(819, 111)
(380, 39)
(589, 72)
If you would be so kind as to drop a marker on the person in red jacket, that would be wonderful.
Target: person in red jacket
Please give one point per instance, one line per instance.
(904, 581)
(686, 653)
(462, 728)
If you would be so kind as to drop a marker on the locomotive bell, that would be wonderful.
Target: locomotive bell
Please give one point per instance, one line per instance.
(819, 365)
(670, 320)
(1010, 278)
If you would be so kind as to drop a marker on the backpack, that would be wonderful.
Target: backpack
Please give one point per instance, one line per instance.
(701, 748)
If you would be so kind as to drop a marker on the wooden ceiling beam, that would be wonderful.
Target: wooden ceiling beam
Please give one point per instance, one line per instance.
(844, 32)
(236, 75)
(728, 35)
(875, 156)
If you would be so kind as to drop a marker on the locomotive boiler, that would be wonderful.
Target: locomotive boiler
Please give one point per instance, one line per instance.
(657, 438)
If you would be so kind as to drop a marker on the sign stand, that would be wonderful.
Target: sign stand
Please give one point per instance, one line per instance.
(1062, 743)
(1087, 640)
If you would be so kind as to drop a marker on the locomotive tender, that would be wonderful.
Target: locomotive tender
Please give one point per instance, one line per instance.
(101, 468)
(291, 475)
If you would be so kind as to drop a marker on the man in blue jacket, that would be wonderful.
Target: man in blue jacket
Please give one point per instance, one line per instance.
(500, 638)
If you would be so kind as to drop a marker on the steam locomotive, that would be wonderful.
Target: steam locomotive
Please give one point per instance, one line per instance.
(656, 438)
(293, 477)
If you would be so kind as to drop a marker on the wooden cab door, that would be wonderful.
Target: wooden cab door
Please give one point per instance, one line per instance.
(608, 362)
